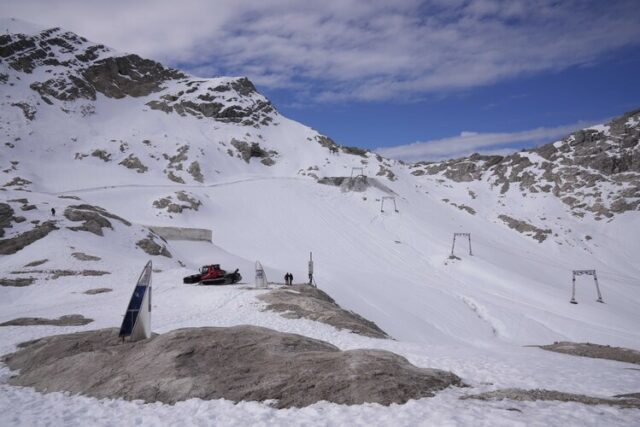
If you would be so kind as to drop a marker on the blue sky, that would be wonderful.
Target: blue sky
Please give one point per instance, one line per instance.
(412, 79)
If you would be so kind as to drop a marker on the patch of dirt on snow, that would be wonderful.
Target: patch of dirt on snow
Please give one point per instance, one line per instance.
(304, 301)
(595, 351)
(68, 320)
(97, 291)
(239, 363)
(551, 395)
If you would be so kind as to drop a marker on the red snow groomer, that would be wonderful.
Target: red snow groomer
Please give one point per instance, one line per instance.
(213, 275)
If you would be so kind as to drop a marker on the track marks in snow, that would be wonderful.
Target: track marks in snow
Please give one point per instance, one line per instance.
(481, 311)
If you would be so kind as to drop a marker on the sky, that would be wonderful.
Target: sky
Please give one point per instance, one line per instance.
(413, 80)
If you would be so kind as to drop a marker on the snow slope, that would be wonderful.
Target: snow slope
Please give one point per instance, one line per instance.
(470, 315)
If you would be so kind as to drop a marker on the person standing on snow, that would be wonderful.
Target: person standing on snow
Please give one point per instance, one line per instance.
(290, 279)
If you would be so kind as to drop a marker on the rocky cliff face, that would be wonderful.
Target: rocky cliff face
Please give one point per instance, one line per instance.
(62, 66)
(593, 171)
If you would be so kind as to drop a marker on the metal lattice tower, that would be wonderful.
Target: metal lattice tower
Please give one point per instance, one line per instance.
(356, 169)
(585, 273)
(467, 235)
(395, 207)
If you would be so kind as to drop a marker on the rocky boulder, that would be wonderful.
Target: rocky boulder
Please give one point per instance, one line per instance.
(304, 301)
(240, 363)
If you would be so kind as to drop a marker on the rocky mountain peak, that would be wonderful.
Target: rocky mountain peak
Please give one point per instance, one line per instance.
(61, 66)
(594, 170)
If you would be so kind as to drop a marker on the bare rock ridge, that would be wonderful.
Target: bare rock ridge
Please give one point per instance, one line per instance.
(594, 170)
(68, 320)
(552, 395)
(595, 351)
(240, 363)
(304, 301)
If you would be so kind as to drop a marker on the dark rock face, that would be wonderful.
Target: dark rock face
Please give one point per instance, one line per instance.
(14, 244)
(36, 263)
(195, 172)
(247, 108)
(19, 282)
(524, 227)
(94, 69)
(304, 301)
(132, 162)
(93, 218)
(600, 165)
(6, 215)
(130, 75)
(355, 151)
(149, 246)
(188, 202)
(240, 363)
(250, 150)
(28, 110)
(86, 74)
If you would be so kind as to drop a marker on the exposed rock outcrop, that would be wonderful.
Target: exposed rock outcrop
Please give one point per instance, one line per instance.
(594, 170)
(19, 282)
(184, 201)
(84, 257)
(304, 301)
(6, 216)
(551, 395)
(77, 69)
(93, 218)
(248, 151)
(149, 246)
(22, 240)
(68, 320)
(524, 227)
(132, 162)
(595, 351)
(240, 363)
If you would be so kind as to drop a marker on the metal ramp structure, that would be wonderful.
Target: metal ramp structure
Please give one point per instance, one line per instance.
(136, 324)
(392, 199)
(453, 246)
(584, 273)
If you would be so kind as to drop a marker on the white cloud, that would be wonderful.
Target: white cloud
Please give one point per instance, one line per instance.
(475, 142)
(350, 49)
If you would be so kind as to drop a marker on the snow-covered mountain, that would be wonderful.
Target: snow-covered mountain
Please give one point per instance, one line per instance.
(116, 143)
